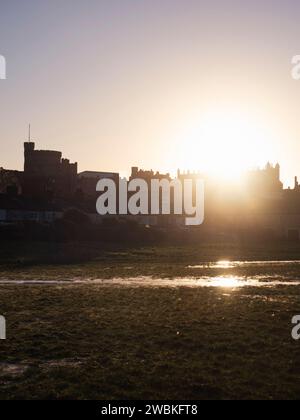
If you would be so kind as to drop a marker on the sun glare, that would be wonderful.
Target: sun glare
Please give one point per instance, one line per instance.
(223, 144)
(226, 282)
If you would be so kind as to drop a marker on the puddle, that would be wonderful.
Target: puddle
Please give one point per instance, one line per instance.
(39, 282)
(267, 274)
(236, 264)
(226, 282)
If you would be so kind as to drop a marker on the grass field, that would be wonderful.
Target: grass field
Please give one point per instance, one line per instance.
(119, 342)
(74, 260)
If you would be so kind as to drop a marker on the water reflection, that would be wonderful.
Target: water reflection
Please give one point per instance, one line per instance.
(231, 275)
(226, 282)
(226, 264)
(222, 282)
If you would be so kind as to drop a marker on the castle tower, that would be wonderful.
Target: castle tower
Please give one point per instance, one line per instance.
(28, 153)
(29, 147)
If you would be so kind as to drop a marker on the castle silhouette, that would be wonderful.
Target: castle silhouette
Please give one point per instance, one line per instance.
(49, 185)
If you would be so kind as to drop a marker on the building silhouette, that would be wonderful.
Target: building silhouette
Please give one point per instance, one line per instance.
(46, 174)
(265, 181)
(87, 182)
(50, 185)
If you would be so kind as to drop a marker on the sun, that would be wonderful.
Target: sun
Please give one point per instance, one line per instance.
(223, 143)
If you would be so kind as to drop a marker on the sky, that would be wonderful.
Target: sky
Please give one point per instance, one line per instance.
(159, 84)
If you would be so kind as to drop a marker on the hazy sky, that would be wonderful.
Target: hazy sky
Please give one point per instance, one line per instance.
(118, 83)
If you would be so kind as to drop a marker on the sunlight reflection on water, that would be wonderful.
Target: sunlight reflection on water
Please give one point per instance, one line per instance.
(223, 282)
(267, 277)
(226, 264)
